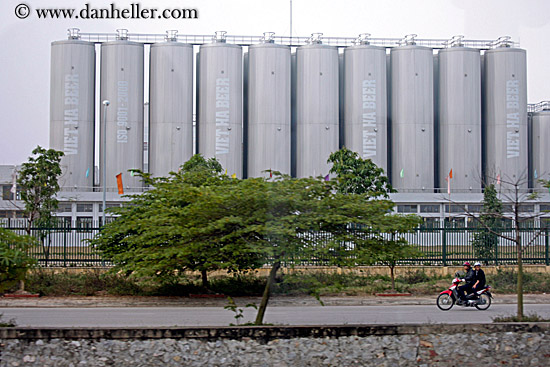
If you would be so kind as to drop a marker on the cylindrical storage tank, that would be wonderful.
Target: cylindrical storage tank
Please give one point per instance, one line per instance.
(505, 116)
(412, 118)
(365, 103)
(122, 85)
(316, 108)
(72, 94)
(220, 118)
(268, 109)
(171, 107)
(460, 118)
(541, 148)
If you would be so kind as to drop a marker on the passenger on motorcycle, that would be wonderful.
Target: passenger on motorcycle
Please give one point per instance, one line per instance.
(479, 277)
(469, 280)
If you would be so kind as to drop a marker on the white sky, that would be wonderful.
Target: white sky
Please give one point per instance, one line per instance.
(25, 55)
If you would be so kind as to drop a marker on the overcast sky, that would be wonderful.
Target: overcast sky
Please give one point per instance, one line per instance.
(25, 55)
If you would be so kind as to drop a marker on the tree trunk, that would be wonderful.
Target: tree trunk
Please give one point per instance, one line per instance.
(267, 292)
(392, 275)
(520, 276)
(204, 278)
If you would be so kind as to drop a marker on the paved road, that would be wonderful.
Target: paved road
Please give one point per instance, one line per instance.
(291, 315)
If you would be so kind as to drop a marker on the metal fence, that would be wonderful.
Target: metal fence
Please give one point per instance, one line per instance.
(67, 246)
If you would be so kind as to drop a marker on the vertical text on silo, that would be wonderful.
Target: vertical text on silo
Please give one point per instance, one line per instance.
(222, 116)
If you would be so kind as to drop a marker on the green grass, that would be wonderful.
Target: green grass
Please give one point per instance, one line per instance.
(95, 282)
(533, 317)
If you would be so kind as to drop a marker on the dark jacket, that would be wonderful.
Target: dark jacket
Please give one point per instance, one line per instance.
(470, 277)
(481, 277)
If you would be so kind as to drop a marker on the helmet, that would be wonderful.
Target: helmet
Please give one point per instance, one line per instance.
(466, 264)
(477, 264)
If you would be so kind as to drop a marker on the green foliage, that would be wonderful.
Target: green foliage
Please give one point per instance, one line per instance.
(532, 317)
(358, 176)
(38, 181)
(238, 311)
(14, 262)
(484, 242)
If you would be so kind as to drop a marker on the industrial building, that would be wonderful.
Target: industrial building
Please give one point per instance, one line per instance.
(419, 108)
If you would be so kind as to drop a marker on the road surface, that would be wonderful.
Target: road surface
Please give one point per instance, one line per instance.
(288, 315)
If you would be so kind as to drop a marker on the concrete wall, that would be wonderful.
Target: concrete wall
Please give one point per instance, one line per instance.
(378, 345)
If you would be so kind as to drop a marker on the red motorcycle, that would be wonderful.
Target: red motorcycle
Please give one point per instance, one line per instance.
(480, 299)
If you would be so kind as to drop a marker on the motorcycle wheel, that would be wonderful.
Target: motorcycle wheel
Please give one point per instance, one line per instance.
(484, 302)
(445, 302)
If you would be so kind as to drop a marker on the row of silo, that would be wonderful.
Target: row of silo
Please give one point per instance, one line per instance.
(293, 111)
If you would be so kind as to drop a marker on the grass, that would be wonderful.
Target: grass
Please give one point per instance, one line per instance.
(95, 282)
(533, 317)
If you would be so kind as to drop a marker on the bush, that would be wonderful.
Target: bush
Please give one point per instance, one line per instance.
(14, 262)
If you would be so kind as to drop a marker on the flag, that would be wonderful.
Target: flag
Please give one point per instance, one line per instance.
(270, 173)
(451, 173)
(234, 175)
(88, 172)
(327, 178)
(119, 184)
(536, 176)
(402, 173)
(226, 171)
(498, 179)
(448, 179)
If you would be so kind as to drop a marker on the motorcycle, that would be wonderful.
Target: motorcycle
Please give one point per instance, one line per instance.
(480, 299)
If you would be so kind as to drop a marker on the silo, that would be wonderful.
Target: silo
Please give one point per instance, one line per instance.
(460, 117)
(541, 148)
(171, 106)
(220, 117)
(268, 108)
(365, 102)
(412, 117)
(72, 97)
(122, 85)
(316, 107)
(505, 114)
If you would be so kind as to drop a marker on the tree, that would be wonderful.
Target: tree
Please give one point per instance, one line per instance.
(182, 223)
(484, 242)
(357, 175)
(14, 261)
(38, 181)
(392, 252)
(514, 195)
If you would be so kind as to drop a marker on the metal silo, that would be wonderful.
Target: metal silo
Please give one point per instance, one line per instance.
(460, 116)
(72, 97)
(122, 85)
(316, 107)
(412, 116)
(171, 106)
(220, 117)
(365, 101)
(268, 108)
(505, 114)
(541, 148)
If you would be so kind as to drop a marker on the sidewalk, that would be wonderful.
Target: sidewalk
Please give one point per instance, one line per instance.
(276, 301)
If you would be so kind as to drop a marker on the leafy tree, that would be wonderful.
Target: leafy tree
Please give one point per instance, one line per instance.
(357, 175)
(38, 181)
(392, 252)
(182, 223)
(14, 262)
(484, 242)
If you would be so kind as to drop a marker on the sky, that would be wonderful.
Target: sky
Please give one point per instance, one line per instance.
(25, 57)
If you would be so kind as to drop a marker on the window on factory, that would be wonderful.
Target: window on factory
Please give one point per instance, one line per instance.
(84, 208)
(545, 223)
(108, 205)
(84, 222)
(475, 208)
(454, 208)
(455, 222)
(507, 208)
(432, 208)
(545, 207)
(64, 207)
(6, 192)
(430, 223)
(407, 208)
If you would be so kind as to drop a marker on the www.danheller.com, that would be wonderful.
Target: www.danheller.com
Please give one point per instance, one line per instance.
(111, 11)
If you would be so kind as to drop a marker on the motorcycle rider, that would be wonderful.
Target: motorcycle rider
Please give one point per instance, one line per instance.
(479, 277)
(469, 280)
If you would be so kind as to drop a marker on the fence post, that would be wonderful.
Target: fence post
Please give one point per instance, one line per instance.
(444, 245)
(64, 248)
(547, 243)
(496, 250)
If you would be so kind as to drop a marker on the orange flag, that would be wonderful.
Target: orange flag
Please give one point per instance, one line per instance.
(451, 173)
(119, 184)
